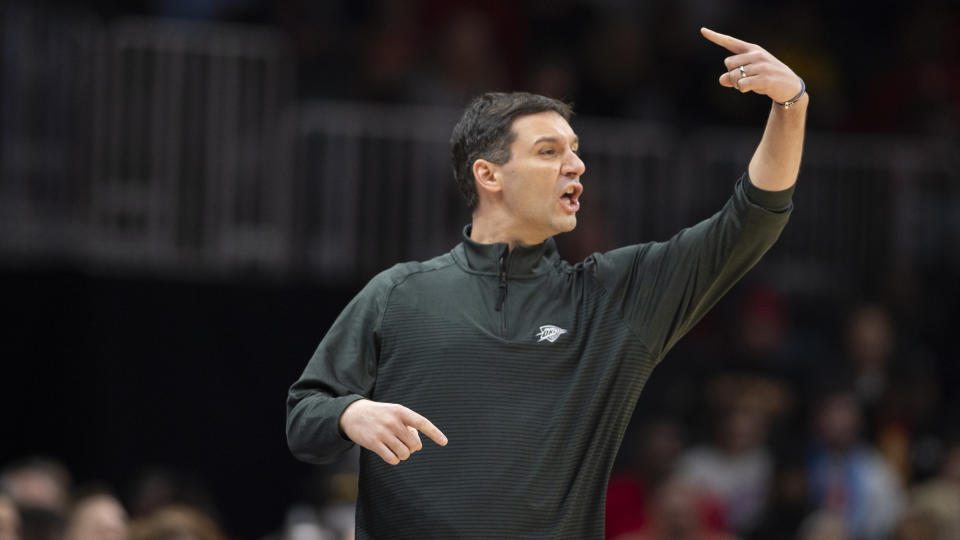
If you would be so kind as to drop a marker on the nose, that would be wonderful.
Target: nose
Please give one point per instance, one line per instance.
(573, 166)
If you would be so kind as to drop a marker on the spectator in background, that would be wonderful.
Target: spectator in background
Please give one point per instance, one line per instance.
(97, 516)
(914, 88)
(303, 523)
(677, 514)
(391, 47)
(897, 396)
(938, 500)
(9, 519)
(788, 508)
(468, 61)
(553, 76)
(737, 468)
(646, 464)
(40, 488)
(770, 345)
(330, 516)
(918, 526)
(158, 487)
(870, 343)
(646, 459)
(38, 482)
(762, 330)
(823, 526)
(616, 60)
(175, 522)
(848, 478)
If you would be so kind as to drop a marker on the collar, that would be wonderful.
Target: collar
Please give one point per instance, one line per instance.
(522, 261)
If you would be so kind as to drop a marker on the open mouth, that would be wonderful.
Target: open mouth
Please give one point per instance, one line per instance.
(571, 197)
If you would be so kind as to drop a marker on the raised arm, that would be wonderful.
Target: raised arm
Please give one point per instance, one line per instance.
(776, 163)
(664, 288)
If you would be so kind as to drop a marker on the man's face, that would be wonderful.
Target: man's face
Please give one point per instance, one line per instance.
(541, 182)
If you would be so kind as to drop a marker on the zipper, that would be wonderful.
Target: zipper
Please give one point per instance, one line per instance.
(503, 291)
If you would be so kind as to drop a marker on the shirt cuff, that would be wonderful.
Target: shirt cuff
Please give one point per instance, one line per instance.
(775, 201)
(341, 404)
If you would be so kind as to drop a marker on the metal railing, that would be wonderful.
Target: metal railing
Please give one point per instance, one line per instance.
(44, 128)
(184, 152)
(379, 182)
(179, 147)
(373, 184)
(143, 142)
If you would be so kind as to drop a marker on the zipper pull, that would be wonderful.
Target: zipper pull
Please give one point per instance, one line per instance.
(503, 281)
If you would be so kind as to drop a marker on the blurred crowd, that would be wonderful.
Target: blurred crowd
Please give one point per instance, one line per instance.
(765, 423)
(38, 501)
(792, 433)
(894, 67)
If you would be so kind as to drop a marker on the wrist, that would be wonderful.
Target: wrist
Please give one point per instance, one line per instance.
(795, 99)
(345, 417)
(800, 105)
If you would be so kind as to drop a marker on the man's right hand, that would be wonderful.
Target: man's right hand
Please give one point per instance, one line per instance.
(387, 429)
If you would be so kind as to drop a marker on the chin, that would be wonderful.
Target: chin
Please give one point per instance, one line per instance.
(567, 225)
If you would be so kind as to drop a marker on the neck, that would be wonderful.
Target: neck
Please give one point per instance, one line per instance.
(498, 227)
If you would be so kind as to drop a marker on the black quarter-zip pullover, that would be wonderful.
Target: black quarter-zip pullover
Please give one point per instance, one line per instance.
(531, 366)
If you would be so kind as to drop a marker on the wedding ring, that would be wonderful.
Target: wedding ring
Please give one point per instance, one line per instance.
(743, 73)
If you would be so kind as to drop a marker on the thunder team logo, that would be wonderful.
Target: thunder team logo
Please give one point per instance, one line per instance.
(550, 333)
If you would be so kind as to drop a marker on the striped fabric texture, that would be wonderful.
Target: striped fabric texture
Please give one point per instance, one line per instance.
(531, 366)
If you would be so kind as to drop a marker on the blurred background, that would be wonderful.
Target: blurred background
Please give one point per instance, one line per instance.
(191, 190)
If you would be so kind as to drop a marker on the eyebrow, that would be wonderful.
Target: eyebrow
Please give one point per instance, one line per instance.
(551, 138)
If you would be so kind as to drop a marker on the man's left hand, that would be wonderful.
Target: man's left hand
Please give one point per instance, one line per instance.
(753, 69)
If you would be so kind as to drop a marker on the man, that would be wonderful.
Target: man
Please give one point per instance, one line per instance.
(531, 365)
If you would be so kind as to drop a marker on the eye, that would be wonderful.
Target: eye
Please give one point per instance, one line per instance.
(547, 152)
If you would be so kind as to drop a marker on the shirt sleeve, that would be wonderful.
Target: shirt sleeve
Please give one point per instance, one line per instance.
(663, 288)
(342, 370)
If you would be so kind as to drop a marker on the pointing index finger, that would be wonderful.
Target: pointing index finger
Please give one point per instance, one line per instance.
(427, 428)
(729, 43)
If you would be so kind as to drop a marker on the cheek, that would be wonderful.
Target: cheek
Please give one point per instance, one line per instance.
(531, 185)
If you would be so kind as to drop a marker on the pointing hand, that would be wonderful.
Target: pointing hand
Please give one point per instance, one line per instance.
(753, 69)
(391, 431)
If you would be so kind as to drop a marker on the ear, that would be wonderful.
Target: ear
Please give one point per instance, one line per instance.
(487, 176)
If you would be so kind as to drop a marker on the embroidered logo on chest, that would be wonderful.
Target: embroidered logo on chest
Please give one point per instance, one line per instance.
(550, 333)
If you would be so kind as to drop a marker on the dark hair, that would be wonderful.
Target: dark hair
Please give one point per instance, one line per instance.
(485, 131)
